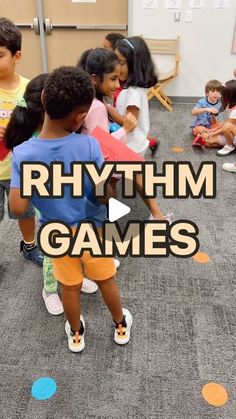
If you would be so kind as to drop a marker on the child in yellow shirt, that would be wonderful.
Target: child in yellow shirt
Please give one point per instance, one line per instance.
(12, 87)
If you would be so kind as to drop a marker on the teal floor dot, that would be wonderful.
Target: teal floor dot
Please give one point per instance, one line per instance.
(44, 388)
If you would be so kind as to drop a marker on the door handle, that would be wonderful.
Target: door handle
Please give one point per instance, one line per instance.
(34, 25)
(48, 26)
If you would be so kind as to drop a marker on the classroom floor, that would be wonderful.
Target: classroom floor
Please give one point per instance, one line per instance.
(183, 335)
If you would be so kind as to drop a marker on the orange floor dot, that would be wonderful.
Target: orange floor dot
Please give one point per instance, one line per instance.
(201, 257)
(178, 149)
(215, 394)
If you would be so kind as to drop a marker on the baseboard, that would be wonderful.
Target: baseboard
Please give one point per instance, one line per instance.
(180, 99)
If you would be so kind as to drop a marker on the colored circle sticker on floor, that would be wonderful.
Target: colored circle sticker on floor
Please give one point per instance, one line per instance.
(44, 388)
(178, 149)
(201, 257)
(215, 394)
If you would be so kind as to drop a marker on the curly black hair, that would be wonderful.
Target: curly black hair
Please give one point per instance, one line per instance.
(66, 89)
(10, 36)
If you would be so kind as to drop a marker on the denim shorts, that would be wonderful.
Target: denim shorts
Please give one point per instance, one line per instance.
(4, 192)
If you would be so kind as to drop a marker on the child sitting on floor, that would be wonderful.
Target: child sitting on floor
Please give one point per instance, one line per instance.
(224, 135)
(206, 110)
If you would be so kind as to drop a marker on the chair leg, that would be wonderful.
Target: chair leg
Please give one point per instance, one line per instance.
(163, 102)
(166, 98)
(151, 93)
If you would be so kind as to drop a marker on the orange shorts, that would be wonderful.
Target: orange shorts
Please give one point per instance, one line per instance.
(71, 270)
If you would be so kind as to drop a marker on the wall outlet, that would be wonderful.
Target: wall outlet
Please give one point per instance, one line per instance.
(177, 16)
(188, 16)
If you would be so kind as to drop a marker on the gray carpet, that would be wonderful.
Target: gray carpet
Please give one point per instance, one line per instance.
(184, 318)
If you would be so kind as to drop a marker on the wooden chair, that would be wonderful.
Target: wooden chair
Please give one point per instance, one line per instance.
(167, 69)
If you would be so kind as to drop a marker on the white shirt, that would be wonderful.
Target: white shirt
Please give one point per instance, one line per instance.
(232, 114)
(136, 96)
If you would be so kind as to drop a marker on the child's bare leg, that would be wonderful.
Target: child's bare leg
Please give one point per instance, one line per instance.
(113, 183)
(111, 296)
(71, 304)
(154, 209)
(27, 228)
(229, 132)
(213, 142)
(151, 203)
(199, 129)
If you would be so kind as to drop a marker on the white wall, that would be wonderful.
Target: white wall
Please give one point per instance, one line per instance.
(205, 44)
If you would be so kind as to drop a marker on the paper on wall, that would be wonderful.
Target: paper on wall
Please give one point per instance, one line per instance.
(150, 4)
(197, 4)
(221, 4)
(173, 4)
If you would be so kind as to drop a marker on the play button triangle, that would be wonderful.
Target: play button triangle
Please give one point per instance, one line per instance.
(117, 210)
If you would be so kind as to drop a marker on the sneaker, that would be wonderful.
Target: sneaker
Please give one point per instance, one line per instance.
(117, 263)
(52, 302)
(169, 217)
(122, 330)
(153, 145)
(75, 342)
(227, 149)
(33, 255)
(198, 141)
(88, 286)
(229, 167)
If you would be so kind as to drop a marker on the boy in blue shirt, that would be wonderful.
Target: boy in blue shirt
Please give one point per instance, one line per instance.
(67, 96)
(206, 110)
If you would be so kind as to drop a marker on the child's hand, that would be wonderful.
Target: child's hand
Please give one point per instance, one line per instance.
(206, 135)
(213, 111)
(2, 131)
(130, 122)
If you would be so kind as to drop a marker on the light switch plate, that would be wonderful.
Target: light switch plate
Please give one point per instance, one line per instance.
(188, 16)
(177, 16)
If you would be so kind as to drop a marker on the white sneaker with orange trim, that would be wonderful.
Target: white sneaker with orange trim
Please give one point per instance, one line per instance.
(122, 330)
(76, 341)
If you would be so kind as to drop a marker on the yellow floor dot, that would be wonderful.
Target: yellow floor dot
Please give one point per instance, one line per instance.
(178, 149)
(215, 394)
(201, 257)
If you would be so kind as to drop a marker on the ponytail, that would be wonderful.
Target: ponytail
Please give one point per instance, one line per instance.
(27, 115)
